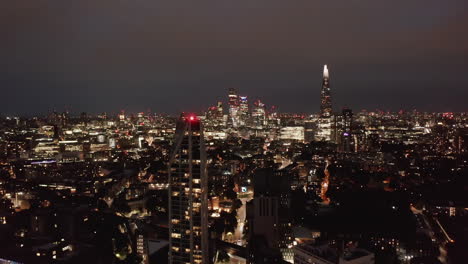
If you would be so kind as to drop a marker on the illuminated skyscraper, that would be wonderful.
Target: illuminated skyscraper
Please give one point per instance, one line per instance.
(325, 95)
(309, 130)
(272, 118)
(215, 116)
(324, 131)
(346, 133)
(258, 114)
(233, 107)
(220, 110)
(243, 110)
(188, 209)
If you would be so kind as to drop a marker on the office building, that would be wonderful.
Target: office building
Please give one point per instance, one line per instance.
(233, 107)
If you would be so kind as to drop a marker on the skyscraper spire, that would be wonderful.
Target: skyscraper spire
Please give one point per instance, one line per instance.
(325, 72)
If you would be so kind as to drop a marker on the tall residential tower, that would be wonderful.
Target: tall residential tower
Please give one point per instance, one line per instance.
(188, 209)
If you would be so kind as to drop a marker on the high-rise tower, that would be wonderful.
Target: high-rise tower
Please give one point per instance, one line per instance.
(325, 95)
(233, 107)
(188, 209)
(346, 133)
(243, 110)
(258, 114)
(269, 216)
(325, 126)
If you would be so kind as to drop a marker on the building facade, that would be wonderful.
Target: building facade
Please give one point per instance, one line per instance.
(269, 215)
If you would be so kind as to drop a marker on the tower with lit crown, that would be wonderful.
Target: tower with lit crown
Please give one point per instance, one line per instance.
(188, 208)
(325, 95)
(324, 131)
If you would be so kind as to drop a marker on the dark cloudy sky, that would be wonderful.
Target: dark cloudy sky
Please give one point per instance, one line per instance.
(170, 56)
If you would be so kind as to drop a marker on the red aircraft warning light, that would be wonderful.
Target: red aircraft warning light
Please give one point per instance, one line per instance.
(191, 117)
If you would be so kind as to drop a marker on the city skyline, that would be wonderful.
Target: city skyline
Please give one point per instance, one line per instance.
(103, 58)
(234, 132)
(311, 105)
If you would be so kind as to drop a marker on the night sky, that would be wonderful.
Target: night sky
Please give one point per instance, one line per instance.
(171, 56)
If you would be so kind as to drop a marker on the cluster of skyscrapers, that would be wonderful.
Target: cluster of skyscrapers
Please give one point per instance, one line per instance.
(240, 114)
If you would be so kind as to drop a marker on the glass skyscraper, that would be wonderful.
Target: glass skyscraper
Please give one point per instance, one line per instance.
(325, 95)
